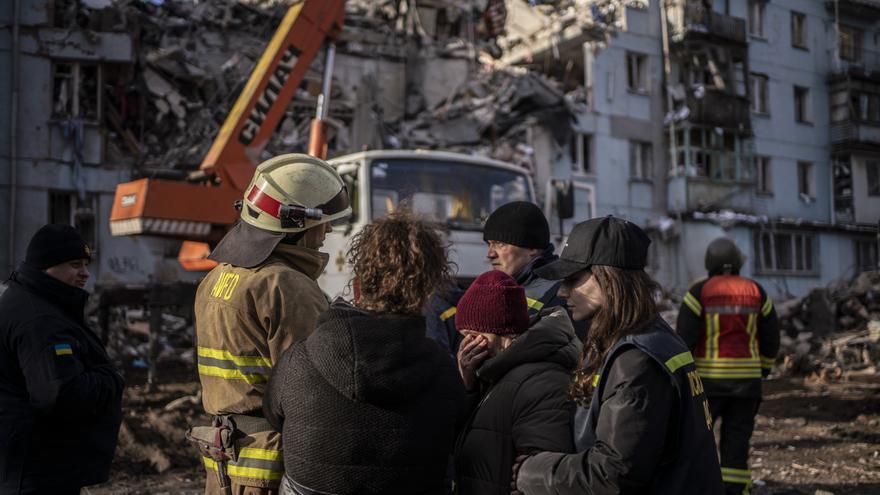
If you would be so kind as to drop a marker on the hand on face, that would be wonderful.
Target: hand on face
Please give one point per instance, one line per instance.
(474, 349)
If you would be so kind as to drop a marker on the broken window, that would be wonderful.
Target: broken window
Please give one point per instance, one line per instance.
(760, 95)
(806, 187)
(798, 30)
(801, 104)
(637, 72)
(640, 160)
(75, 90)
(764, 184)
(849, 43)
(66, 208)
(756, 18)
(579, 153)
(872, 171)
(866, 255)
(785, 252)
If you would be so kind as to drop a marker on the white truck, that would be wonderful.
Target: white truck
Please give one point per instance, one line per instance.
(455, 190)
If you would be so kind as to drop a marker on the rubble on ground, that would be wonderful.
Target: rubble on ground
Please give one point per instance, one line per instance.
(833, 333)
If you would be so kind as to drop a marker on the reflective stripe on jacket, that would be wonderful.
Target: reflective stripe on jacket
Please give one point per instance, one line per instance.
(245, 319)
(730, 324)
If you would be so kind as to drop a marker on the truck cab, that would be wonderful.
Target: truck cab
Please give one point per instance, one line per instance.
(455, 190)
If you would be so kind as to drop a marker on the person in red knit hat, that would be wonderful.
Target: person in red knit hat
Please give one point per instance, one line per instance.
(517, 372)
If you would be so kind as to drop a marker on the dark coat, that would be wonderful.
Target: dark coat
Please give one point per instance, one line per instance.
(60, 398)
(366, 405)
(647, 430)
(525, 407)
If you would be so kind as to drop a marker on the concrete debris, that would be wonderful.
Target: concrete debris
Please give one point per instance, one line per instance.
(129, 338)
(833, 333)
(167, 110)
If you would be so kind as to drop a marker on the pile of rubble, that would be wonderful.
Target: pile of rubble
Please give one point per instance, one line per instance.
(193, 59)
(833, 333)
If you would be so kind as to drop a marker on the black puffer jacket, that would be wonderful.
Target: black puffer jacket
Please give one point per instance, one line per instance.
(59, 395)
(366, 405)
(525, 407)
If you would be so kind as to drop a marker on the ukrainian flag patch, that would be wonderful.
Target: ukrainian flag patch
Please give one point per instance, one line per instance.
(63, 349)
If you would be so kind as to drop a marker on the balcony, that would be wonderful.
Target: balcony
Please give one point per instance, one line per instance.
(855, 133)
(720, 109)
(868, 10)
(856, 61)
(692, 21)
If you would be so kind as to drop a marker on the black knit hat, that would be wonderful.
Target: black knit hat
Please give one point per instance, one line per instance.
(606, 241)
(54, 244)
(519, 223)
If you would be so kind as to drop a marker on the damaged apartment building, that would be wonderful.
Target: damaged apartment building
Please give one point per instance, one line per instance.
(747, 118)
(755, 119)
(99, 92)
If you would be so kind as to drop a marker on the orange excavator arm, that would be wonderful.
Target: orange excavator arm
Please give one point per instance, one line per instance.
(203, 211)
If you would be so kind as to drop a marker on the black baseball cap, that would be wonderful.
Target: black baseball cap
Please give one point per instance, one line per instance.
(606, 241)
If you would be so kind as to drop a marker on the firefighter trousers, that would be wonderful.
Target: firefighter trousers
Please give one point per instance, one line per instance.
(737, 415)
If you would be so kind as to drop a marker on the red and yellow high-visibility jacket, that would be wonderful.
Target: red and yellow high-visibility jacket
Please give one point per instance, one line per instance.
(730, 325)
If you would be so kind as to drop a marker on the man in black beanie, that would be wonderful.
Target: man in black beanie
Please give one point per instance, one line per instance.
(518, 239)
(60, 397)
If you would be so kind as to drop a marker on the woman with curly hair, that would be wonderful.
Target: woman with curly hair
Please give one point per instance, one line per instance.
(367, 404)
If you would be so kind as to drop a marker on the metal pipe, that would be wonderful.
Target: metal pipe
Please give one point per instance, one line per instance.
(326, 83)
(667, 71)
(13, 131)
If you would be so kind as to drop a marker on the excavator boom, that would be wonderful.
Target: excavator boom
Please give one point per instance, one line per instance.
(202, 211)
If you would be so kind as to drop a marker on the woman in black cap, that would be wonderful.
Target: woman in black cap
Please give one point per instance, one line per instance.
(642, 425)
(60, 398)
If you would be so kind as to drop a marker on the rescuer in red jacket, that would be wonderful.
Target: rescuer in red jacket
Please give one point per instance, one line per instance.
(730, 325)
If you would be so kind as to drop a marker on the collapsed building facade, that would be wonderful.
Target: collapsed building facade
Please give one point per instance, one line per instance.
(693, 118)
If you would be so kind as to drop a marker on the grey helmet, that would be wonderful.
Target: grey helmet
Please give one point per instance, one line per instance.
(723, 257)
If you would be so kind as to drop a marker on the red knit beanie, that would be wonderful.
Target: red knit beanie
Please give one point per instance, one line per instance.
(494, 303)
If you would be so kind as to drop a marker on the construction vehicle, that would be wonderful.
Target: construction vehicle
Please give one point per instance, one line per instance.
(457, 190)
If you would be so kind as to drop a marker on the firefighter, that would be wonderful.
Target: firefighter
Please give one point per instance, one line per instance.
(260, 299)
(729, 323)
(60, 397)
(642, 425)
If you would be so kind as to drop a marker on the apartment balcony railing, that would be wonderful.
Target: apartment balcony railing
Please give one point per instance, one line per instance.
(849, 58)
(855, 132)
(693, 20)
(720, 109)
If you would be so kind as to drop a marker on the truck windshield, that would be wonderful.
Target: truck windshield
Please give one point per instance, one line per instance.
(458, 194)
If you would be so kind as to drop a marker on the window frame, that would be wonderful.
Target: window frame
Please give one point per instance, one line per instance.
(78, 213)
(74, 92)
(642, 168)
(806, 179)
(756, 12)
(802, 108)
(804, 260)
(764, 175)
(580, 153)
(637, 62)
(799, 27)
(875, 166)
(856, 37)
(861, 248)
(760, 86)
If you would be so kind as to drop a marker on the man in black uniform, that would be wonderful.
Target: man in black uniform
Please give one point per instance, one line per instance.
(60, 398)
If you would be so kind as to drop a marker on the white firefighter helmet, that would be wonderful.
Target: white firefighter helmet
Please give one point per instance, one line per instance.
(292, 193)
(288, 194)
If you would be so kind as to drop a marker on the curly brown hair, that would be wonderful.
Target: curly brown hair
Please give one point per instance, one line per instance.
(398, 262)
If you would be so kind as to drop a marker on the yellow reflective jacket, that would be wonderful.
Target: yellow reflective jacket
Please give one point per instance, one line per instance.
(245, 318)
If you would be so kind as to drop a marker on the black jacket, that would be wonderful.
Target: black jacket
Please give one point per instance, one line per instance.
(647, 430)
(60, 398)
(525, 407)
(366, 405)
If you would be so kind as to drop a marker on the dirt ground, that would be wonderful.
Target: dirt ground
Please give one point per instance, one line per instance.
(811, 439)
